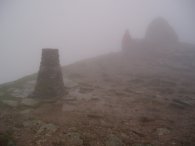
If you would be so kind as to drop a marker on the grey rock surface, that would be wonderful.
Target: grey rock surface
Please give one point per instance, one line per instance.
(74, 138)
(114, 141)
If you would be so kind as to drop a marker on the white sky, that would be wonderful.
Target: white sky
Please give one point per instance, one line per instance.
(79, 28)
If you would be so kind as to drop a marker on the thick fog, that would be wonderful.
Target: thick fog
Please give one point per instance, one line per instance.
(79, 28)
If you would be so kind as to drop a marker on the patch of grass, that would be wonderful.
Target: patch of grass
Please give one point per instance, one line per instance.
(18, 83)
(6, 139)
(7, 95)
(7, 88)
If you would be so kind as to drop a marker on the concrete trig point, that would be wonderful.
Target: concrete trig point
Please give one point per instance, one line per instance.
(50, 80)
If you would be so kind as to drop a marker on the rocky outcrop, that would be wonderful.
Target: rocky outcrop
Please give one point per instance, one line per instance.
(160, 31)
(160, 37)
(49, 80)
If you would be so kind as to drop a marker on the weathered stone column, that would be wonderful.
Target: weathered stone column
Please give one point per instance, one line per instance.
(49, 81)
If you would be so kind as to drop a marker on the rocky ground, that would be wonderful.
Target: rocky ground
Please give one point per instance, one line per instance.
(110, 101)
(135, 112)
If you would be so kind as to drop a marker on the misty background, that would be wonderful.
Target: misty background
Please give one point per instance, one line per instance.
(79, 28)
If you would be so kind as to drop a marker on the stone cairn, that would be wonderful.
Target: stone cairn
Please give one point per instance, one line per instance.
(49, 81)
(126, 41)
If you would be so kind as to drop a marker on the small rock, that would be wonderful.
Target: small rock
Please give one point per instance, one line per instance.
(68, 108)
(32, 123)
(69, 83)
(29, 102)
(47, 129)
(163, 131)
(42, 130)
(114, 141)
(123, 135)
(72, 129)
(74, 138)
(26, 111)
(181, 104)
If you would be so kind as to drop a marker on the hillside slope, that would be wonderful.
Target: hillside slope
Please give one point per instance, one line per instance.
(142, 97)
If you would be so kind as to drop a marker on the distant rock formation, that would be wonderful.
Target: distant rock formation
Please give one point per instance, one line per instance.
(160, 31)
(159, 34)
(126, 41)
(50, 81)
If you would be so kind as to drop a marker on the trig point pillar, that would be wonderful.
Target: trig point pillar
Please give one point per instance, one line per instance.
(50, 80)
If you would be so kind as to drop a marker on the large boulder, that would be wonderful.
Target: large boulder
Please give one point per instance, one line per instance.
(160, 31)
